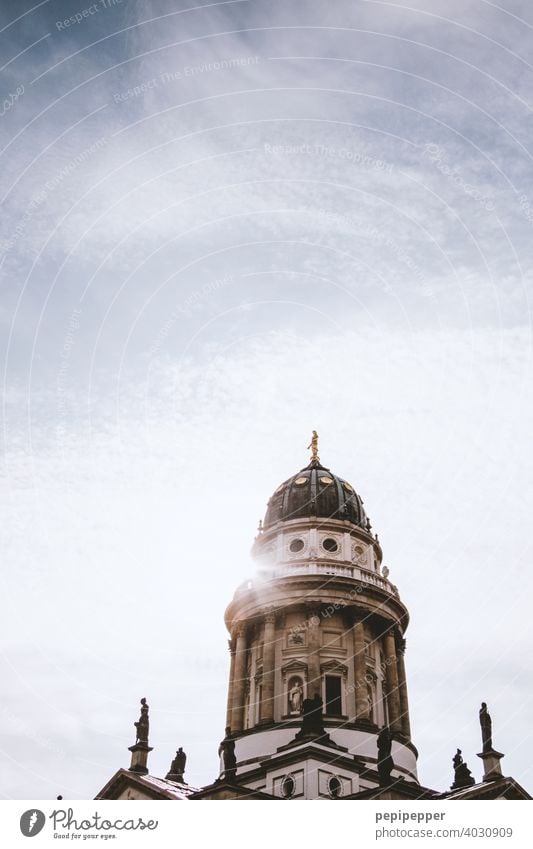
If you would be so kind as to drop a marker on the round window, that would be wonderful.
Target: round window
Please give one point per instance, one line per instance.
(334, 787)
(330, 544)
(296, 545)
(288, 787)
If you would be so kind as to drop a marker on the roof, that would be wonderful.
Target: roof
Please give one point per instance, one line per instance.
(315, 491)
(227, 790)
(157, 788)
(499, 788)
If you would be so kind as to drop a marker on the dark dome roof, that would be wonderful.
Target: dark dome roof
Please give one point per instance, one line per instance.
(315, 492)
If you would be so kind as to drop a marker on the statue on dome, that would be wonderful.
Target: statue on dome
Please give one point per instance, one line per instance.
(143, 724)
(313, 445)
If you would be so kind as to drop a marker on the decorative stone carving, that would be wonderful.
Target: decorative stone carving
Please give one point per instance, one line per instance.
(270, 616)
(177, 767)
(295, 638)
(359, 555)
(462, 775)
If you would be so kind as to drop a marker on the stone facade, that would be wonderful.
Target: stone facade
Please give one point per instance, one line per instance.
(317, 669)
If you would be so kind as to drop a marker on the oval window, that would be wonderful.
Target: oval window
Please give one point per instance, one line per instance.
(334, 787)
(330, 544)
(296, 545)
(288, 787)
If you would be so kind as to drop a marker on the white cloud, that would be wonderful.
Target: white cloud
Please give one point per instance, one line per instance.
(147, 515)
(198, 274)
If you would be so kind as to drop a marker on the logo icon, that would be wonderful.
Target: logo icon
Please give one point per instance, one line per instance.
(32, 822)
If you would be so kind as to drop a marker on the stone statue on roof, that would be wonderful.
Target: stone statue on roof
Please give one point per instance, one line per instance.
(486, 727)
(143, 724)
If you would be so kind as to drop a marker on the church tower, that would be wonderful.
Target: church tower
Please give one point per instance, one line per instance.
(317, 700)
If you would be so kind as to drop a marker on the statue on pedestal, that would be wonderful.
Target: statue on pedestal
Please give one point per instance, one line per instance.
(313, 445)
(143, 724)
(486, 727)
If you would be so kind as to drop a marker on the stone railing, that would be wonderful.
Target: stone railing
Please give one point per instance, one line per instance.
(364, 576)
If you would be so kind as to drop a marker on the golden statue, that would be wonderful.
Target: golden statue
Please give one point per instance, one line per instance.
(314, 448)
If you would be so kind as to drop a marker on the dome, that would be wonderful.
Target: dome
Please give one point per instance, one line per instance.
(315, 492)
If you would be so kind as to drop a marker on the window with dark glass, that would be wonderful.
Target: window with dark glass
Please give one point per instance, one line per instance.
(288, 787)
(334, 787)
(333, 696)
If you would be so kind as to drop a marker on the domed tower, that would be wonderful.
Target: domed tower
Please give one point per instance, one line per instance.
(317, 645)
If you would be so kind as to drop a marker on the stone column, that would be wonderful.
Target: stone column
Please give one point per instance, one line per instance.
(269, 654)
(314, 677)
(393, 696)
(230, 687)
(361, 700)
(239, 680)
(402, 684)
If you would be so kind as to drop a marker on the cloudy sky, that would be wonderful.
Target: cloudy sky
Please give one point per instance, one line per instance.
(223, 225)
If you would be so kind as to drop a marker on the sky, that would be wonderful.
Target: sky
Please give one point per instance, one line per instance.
(224, 225)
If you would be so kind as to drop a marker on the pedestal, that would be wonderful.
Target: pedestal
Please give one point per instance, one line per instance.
(139, 758)
(491, 764)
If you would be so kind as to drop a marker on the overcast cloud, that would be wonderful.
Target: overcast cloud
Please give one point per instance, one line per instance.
(224, 226)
